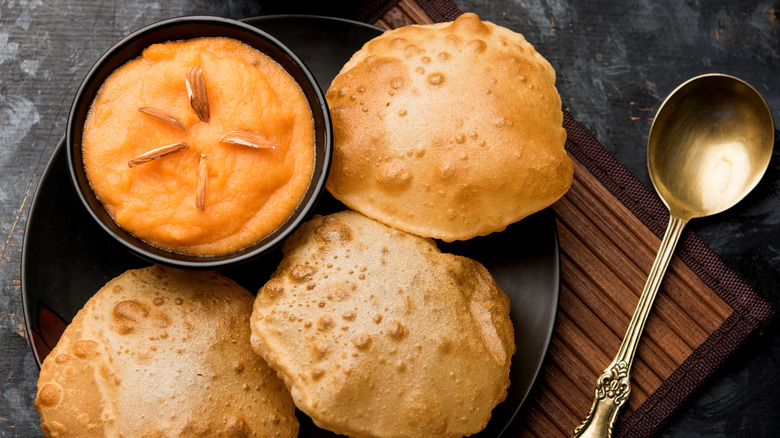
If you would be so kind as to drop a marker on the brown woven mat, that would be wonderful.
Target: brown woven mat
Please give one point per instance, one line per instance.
(609, 227)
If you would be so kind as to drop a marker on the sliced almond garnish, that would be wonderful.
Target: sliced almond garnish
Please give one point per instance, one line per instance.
(247, 138)
(203, 175)
(196, 91)
(163, 116)
(157, 153)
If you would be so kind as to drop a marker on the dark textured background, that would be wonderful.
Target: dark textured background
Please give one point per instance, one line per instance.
(616, 61)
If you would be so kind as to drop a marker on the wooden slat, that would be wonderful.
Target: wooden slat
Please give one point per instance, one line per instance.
(612, 301)
(574, 382)
(606, 253)
(397, 18)
(536, 424)
(631, 260)
(405, 13)
(383, 24)
(414, 12)
(594, 327)
(556, 410)
(616, 273)
(597, 192)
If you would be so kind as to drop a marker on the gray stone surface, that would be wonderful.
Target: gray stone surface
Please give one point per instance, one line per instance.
(616, 61)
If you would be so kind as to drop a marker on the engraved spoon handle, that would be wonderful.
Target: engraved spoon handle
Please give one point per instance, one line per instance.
(614, 386)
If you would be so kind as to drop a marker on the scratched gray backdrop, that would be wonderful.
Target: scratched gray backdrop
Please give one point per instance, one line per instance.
(616, 61)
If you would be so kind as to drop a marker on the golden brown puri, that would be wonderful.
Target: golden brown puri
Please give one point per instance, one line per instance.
(378, 334)
(451, 130)
(162, 352)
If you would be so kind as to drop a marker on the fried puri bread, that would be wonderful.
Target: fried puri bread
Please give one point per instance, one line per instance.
(162, 352)
(379, 334)
(450, 130)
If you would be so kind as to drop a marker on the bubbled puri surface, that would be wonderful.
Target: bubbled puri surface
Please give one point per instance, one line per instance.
(378, 333)
(162, 352)
(451, 130)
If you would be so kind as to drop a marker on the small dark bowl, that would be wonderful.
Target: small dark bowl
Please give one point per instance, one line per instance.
(185, 28)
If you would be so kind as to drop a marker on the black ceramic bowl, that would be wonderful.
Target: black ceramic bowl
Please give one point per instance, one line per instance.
(185, 28)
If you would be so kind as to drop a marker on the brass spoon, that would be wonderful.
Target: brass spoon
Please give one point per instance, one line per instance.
(709, 145)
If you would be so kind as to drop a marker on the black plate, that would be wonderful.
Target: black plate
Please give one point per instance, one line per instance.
(67, 257)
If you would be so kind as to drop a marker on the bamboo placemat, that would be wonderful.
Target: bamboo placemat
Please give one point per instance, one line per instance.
(609, 228)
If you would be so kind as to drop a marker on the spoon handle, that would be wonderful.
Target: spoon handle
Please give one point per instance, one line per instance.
(614, 386)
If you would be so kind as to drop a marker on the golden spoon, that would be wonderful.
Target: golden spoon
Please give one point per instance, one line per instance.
(709, 145)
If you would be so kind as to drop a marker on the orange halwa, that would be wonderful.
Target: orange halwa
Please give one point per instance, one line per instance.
(250, 191)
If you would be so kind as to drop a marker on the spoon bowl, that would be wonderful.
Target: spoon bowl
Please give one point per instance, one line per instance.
(708, 147)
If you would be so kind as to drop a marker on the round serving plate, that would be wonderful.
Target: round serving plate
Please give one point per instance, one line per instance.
(67, 257)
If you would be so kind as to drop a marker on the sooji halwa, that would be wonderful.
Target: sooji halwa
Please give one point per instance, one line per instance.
(200, 147)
